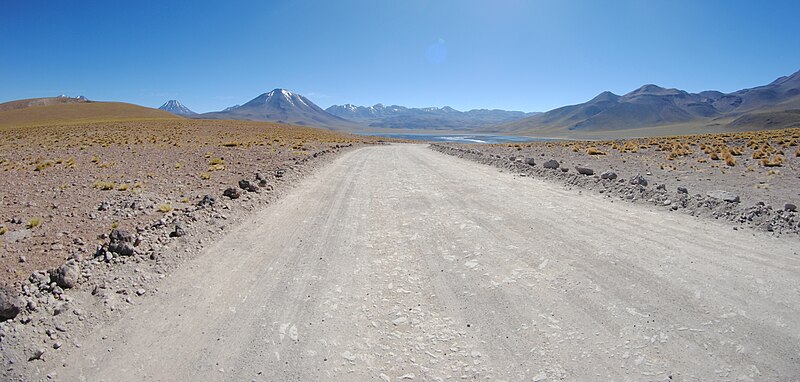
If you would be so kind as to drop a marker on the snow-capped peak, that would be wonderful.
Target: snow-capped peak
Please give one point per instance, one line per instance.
(175, 107)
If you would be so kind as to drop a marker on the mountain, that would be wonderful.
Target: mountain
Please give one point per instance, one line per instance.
(177, 108)
(394, 116)
(63, 110)
(652, 106)
(282, 106)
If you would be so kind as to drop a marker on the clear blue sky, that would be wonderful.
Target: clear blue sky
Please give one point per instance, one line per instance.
(510, 54)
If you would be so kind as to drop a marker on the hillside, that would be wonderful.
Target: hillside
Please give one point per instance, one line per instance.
(46, 101)
(77, 112)
(661, 110)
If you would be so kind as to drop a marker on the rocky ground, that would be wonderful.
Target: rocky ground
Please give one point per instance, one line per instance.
(398, 263)
(747, 179)
(92, 215)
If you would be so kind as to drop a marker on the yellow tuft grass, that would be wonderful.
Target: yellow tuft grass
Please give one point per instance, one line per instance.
(105, 186)
(34, 222)
(776, 162)
(594, 151)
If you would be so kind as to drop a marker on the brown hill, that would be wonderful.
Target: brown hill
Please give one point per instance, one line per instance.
(655, 109)
(47, 111)
(47, 101)
(769, 120)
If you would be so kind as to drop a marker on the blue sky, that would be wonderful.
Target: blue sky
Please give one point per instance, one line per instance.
(510, 54)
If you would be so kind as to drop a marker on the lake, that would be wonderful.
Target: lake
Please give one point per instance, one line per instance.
(461, 138)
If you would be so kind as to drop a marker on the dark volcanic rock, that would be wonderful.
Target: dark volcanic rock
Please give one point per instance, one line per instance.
(610, 175)
(584, 170)
(10, 304)
(232, 193)
(207, 201)
(724, 196)
(178, 232)
(551, 164)
(121, 243)
(248, 186)
(638, 180)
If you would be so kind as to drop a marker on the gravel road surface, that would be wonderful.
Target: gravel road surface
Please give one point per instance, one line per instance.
(400, 263)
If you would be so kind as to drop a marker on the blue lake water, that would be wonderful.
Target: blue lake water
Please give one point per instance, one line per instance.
(461, 138)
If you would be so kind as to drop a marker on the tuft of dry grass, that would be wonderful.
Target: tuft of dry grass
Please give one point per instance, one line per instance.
(3, 230)
(595, 151)
(776, 162)
(34, 222)
(104, 186)
(164, 208)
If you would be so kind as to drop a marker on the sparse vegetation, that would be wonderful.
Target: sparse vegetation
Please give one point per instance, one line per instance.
(594, 151)
(78, 161)
(777, 161)
(34, 222)
(3, 230)
(105, 186)
(164, 208)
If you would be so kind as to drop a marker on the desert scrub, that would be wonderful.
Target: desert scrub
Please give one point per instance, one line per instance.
(164, 208)
(105, 186)
(43, 165)
(205, 176)
(777, 162)
(123, 187)
(729, 159)
(3, 230)
(594, 151)
(178, 165)
(35, 222)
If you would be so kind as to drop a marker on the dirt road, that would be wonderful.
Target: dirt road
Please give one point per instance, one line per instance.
(400, 263)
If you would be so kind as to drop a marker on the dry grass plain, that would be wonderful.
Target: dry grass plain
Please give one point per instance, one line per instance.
(64, 184)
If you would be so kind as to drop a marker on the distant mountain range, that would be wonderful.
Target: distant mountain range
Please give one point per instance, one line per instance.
(652, 106)
(648, 110)
(400, 117)
(282, 106)
(175, 107)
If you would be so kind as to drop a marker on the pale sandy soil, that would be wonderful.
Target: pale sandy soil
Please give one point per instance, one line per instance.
(401, 263)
